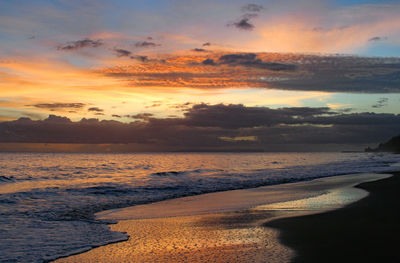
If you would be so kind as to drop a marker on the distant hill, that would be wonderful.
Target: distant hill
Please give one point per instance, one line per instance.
(393, 145)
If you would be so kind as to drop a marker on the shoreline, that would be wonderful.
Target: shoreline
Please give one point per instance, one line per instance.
(227, 222)
(364, 231)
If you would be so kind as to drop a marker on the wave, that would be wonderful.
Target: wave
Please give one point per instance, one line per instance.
(5, 179)
(64, 209)
(177, 173)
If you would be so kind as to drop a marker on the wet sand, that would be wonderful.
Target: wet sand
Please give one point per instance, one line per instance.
(365, 231)
(221, 227)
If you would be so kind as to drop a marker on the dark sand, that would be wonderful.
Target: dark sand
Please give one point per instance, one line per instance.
(365, 231)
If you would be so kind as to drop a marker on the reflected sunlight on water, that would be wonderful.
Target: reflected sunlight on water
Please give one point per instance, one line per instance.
(47, 200)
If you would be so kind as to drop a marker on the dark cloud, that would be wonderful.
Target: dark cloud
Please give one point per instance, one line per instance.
(127, 53)
(140, 116)
(89, 121)
(73, 45)
(58, 106)
(251, 60)
(55, 119)
(344, 74)
(238, 59)
(146, 44)
(243, 24)
(140, 58)
(239, 116)
(214, 127)
(252, 8)
(206, 44)
(116, 116)
(208, 61)
(122, 52)
(199, 50)
(382, 102)
(374, 39)
(96, 109)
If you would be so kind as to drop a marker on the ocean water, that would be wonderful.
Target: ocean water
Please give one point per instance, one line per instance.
(48, 200)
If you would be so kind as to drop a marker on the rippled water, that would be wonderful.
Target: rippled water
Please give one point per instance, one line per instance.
(47, 201)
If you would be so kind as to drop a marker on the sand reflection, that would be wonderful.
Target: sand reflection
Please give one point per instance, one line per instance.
(206, 238)
(233, 236)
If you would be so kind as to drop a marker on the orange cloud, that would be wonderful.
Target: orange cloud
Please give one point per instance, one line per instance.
(188, 71)
(123, 86)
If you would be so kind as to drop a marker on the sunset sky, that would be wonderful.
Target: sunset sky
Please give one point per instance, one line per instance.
(226, 74)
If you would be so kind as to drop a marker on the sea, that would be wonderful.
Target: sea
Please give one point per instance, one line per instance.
(48, 200)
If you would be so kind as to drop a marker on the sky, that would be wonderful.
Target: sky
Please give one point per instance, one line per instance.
(200, 75)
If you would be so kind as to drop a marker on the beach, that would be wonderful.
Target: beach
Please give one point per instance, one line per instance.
(49, 202)
(199, 131)
(365, 231)
(229, 226)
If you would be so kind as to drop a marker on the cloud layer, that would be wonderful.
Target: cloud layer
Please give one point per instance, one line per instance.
(325, 73)
(79, 44)
(218, 127)
(59, 105)
(281, 53)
